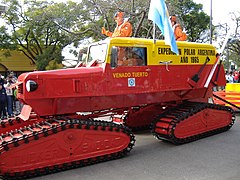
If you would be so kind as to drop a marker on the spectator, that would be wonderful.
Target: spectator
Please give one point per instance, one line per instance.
(3, 101)
(226, 76)
(19, 105)
(229, 77)
(12, 77)
(10, 98)
(2, 80)
(236, 77)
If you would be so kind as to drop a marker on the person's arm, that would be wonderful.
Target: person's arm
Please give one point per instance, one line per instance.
(107, 33)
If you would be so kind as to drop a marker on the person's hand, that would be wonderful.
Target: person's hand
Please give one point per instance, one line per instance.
(104, 31)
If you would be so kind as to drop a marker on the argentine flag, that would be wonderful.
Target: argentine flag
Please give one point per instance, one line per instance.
(158, 13)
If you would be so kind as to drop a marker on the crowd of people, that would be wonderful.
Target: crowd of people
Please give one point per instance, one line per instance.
(232, 76)
(9, 106)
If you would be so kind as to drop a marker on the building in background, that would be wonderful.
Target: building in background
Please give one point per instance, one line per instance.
(17, 62)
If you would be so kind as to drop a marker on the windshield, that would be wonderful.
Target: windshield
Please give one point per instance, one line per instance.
(128, 56)
(97, 52)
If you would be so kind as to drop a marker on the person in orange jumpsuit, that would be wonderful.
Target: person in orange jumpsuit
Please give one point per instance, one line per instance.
(179, 34)
(123, 29)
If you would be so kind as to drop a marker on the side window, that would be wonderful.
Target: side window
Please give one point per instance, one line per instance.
(128, 56)
(114, 56)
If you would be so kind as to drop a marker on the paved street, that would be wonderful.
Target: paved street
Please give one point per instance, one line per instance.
(216, 158)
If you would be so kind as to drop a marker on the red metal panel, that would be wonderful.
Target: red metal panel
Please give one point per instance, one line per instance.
(72, 90)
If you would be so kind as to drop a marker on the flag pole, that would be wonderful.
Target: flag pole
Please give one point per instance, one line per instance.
(154, 33)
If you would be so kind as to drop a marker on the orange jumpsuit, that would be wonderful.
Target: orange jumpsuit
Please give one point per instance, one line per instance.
(179, 35)
(123, 30)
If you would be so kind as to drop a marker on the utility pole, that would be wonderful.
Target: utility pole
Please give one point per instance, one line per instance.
(210, 21)
(133, 6)
(2, 9)
(229, 41)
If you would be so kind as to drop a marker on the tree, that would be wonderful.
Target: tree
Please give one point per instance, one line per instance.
(37, 29)
(234, 45)
(231, 52)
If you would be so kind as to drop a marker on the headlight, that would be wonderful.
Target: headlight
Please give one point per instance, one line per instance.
(31, 85)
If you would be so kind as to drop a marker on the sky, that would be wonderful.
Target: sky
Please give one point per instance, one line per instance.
(221, 9)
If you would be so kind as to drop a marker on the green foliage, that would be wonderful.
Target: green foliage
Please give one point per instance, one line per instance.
(54, 65)
(233, 52)
(43, 59)
(37, 29)
(6, 39)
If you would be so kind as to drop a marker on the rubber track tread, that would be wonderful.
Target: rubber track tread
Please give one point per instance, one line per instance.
(55, 126)
(180, 113)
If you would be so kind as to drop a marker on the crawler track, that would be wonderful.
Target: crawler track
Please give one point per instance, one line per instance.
(60, 144)
(191, 121)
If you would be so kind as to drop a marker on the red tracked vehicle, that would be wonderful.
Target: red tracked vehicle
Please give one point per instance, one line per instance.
(132, 80)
